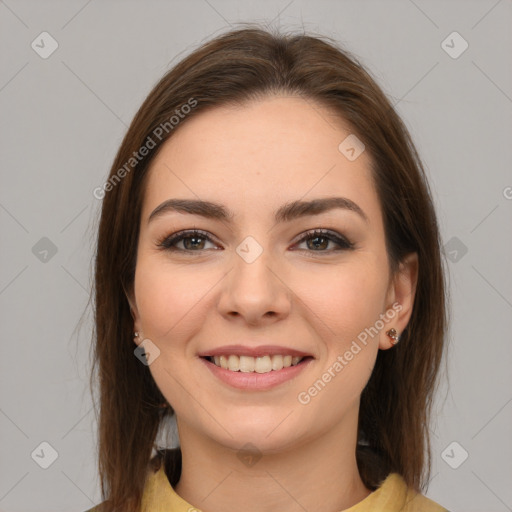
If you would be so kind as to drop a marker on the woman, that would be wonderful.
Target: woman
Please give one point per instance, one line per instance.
(269, 272)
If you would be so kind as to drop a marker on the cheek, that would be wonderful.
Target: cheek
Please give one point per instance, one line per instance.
(349, 303)
(170, 299)
(345, 300)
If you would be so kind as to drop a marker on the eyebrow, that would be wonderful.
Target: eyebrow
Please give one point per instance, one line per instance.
(285, 213)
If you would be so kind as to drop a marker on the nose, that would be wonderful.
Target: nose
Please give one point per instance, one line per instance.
(255, 292)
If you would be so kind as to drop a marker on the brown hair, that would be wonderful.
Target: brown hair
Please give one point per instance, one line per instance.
(244, 64)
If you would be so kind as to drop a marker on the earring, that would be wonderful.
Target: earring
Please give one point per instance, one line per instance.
(394, 336)
(135, 336)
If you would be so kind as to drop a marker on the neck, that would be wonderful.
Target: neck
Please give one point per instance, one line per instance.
(320, 475)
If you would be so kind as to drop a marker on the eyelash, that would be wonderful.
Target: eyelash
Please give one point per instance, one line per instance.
(167, 243)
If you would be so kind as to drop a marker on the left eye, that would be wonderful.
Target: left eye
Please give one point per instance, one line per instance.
(320, 239)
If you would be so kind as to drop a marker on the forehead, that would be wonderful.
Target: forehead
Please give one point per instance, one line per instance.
(260, 154)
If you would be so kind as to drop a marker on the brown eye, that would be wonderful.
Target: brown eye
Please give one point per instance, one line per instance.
(318, 241)
(193, 241)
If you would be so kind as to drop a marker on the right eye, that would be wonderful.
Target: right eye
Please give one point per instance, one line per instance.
(194, 241)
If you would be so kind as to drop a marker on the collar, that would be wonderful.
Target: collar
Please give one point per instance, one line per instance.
(392, 495)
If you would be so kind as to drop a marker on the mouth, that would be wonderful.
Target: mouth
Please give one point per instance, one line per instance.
(254, 368)
(260, 364)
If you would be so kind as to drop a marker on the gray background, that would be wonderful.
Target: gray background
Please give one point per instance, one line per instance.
(63, 119)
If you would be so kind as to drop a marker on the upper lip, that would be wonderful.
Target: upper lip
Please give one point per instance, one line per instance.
(259, 351)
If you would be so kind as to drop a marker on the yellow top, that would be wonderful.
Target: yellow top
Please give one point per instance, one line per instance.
(392, 496)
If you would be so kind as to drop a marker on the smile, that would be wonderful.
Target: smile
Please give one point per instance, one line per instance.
(255, 367)
(261, 364)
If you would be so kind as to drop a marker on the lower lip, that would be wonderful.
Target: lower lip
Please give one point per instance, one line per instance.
(256, 381)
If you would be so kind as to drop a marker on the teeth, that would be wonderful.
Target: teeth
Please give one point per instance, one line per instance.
(247, 364)
(277, 362)
(233, 363)
(262, 364)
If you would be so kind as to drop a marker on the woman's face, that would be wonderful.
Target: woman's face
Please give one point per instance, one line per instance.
(257, 282)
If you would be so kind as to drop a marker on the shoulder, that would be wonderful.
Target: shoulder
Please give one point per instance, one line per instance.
(394, 494)
(419, 503)
(416, 502)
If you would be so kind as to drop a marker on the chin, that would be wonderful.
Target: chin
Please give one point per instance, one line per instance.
(266, 432)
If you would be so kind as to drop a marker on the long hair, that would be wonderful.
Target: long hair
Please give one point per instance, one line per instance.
(245, 64)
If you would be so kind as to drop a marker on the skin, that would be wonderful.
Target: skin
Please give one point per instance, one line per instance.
(253, 159)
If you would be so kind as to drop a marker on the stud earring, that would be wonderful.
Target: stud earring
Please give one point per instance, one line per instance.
(394, 336)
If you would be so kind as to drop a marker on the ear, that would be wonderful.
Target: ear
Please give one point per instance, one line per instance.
(135, 314)
(400, 299)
